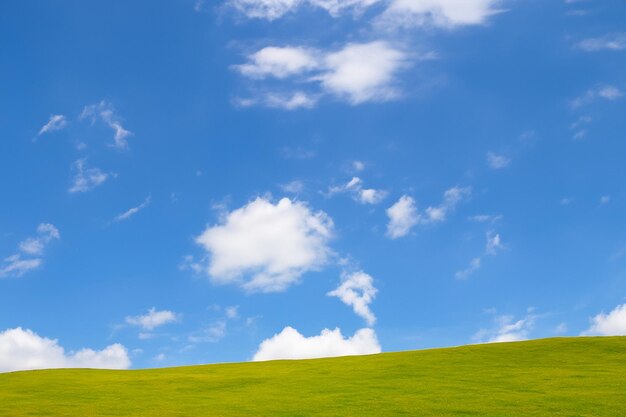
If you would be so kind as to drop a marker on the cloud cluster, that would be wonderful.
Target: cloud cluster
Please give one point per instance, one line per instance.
(348, 73)
(360, 194)
(22, 349)
(604, 92)
(275, 9)
(290, 344)
(266, 247)
(357, 290)
(404, 214)
(30, 250)
(397, 14)
(86, 178)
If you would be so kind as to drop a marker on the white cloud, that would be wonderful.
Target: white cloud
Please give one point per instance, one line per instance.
(403, 215)
(132, 211)
(611, 324)
(153, 319)
(606, 92)
(275, 9)
(360, 194)
(105, 112)
(56, 122)
(46, 232)
(290, 344)
(357, 290)
(22, 349)
(348, 73)
(353, 74)
(16, 266)
(278, 62)
(86, 178)
(611, 42)
(446, 14)
(496, 161)
(494, 243)
(507, 329)
(267, 247)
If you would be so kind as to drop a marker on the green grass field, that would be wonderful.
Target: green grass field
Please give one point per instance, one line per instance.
(551, 377)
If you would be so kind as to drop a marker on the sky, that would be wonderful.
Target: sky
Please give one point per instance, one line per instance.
(198, 181)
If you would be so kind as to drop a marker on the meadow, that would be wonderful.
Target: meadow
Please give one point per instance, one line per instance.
(551, 377)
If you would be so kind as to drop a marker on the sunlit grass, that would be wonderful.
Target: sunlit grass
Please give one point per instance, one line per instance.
(551, 377)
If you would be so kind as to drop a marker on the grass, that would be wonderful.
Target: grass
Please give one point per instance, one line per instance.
(550, 377)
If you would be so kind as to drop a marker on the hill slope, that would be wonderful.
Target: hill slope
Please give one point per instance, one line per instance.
(551, 377)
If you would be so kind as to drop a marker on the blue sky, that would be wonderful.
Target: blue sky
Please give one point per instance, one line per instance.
(207, 181)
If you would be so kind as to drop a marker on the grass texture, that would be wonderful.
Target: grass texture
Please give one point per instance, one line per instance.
(550, 377)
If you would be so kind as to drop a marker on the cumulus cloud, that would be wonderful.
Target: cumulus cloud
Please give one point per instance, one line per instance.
(153, 319)
(290, 344)
(105, 112)
(132, 211)
(496, 161)
(611, 324)
(267, 247)
(31, 250)
(348, 73)
(278, 62)
(86, 178)
(448, 14)
(275, 9)
(353, 74)
(357, 290)
(507, 329)
(610, 42)
(404, 215)
(22, 349)
(56, 122)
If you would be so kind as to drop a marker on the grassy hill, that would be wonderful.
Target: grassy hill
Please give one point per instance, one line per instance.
(551, 377)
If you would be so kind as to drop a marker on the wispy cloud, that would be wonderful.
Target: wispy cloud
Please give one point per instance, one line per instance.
(105, 112)
(492, 247)
(56, 122)
(30, 250)
(86, 178)
(610, 42)
(132, 211)
(357, 290)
